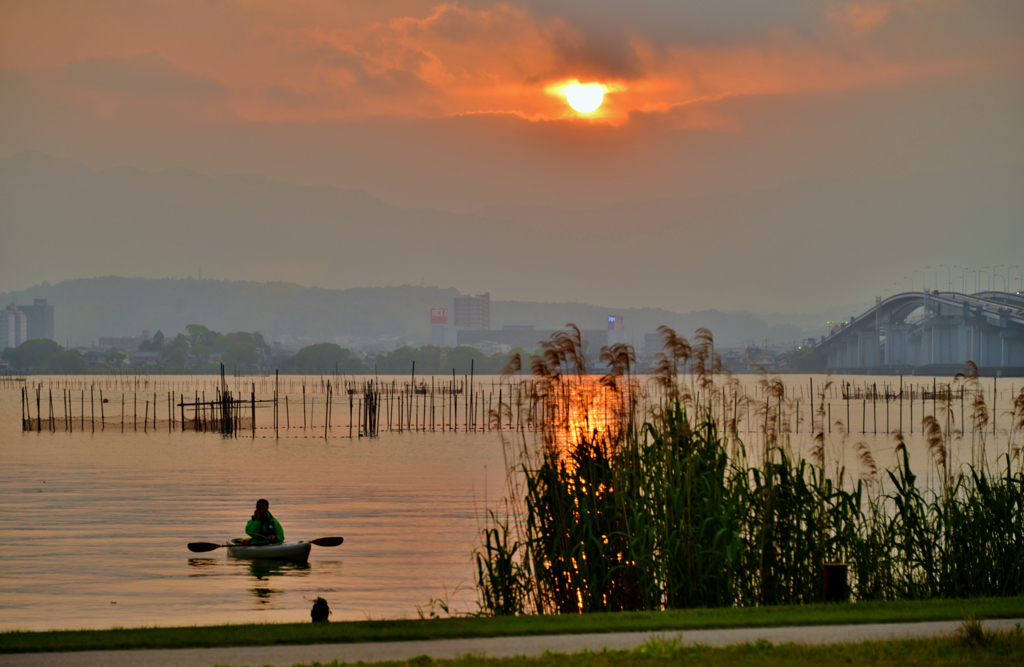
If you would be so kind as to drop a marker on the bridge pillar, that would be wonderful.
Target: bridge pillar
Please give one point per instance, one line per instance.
(963, 344)
(1012, 344)
(896, 344)
(916, 347)
(1014, 349)
(867, 349)
(974, 343)
(945, 344)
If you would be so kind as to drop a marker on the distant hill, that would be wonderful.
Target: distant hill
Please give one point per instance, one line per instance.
(88, 308)
(808, 246)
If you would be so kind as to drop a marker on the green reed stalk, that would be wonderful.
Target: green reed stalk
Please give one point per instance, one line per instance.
(663, 516)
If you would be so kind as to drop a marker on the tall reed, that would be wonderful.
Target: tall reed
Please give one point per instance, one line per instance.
(670, 510)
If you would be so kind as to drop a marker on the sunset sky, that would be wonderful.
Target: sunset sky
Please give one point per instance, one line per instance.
(461, 106)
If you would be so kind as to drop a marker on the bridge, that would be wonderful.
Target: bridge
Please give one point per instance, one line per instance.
(932, 332)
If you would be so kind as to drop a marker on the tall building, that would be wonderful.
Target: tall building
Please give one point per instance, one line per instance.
(653, 344)
(13, 327)
(473, 312)
(616, 330)
(40, 319)
(441, 335)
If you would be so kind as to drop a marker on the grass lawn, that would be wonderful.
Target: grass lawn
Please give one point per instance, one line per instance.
(451, 628)
(992, 649)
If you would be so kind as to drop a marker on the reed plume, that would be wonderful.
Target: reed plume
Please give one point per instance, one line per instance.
(935, 440)
(675, 352)
(514, 365)
(869, 471)
(672, 515)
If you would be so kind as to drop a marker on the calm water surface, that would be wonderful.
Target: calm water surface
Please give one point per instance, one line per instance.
(96, 524)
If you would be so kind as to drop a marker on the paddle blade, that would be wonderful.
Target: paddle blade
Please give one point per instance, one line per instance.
(200, 547)
(328, 541)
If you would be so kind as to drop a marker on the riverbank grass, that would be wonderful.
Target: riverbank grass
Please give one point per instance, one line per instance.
(453, 628)
(994, 650)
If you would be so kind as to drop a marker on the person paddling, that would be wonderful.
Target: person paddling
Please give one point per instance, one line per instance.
(263, 528)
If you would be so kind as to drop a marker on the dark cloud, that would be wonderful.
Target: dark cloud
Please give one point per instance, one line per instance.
(599, 56)
(143, 75)
(692, 22)
(456, 25)
(390, 82)
(321, 97)
(288, 97)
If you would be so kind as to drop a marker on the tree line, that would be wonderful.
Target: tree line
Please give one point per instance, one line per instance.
(430, 360)
(195, 350)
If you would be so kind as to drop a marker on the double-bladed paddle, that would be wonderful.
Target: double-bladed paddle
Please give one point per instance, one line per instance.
(202, 547)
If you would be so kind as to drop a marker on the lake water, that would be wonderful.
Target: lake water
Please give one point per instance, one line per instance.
(96, 523)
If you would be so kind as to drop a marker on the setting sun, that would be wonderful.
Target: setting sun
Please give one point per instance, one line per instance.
(584, 97)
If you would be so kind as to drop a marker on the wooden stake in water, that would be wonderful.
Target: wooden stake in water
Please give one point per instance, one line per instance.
(963, 424)
(901, 404)
(874, 407)
(849, 426)
(995, 404)
(811, 381)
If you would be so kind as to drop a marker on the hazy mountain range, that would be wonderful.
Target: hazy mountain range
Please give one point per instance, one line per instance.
(88, 308)
(808, 247)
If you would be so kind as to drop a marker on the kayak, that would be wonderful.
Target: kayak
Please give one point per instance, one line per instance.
(296, 552)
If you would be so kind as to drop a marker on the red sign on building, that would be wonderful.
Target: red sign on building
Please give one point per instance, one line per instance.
(439, 316)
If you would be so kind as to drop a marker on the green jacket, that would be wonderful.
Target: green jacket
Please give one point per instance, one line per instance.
(261, 531)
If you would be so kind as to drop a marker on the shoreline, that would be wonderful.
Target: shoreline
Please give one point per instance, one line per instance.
(372, 631)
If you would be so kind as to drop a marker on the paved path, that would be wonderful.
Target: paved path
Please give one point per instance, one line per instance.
(497, 647)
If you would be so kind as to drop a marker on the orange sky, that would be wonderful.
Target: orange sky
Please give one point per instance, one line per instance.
(449, 106)
(271, 61)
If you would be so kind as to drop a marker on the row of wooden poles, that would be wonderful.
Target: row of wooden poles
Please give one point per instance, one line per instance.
(399, 406)
(849, 395)
(405, 406)
(11, 381)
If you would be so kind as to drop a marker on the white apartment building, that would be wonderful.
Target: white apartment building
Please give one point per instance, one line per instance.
(13, 327)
